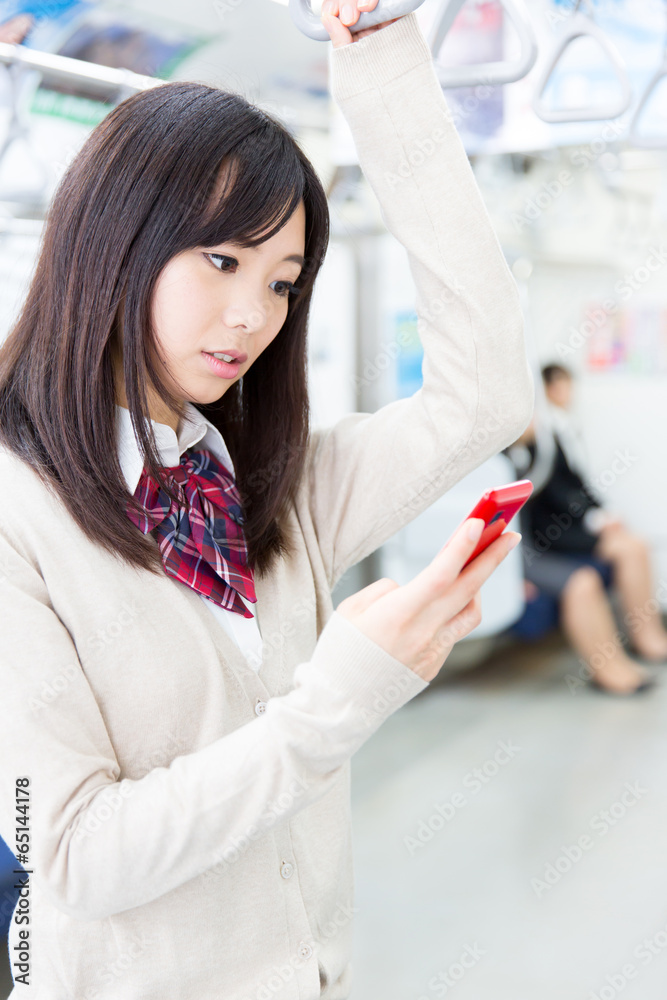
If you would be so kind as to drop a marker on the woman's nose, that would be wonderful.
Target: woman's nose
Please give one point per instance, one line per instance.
(248, 315)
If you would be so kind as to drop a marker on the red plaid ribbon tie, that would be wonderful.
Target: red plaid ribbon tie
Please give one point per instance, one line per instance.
(201, 539)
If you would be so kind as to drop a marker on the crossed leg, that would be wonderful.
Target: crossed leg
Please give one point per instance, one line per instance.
(588, 622)
(631, 560)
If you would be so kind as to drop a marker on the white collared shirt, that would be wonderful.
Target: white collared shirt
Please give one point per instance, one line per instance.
(194, 429)
(570, 440)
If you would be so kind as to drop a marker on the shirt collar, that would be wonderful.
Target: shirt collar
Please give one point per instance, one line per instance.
(194, 429)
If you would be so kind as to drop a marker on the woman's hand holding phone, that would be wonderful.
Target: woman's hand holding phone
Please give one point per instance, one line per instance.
(420, 622)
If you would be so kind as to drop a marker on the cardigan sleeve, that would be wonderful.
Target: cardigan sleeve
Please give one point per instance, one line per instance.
(101, 843)
(371, 473)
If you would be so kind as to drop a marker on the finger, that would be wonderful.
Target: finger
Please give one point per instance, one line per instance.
(444, 586)
(472, 526)
(456, 628)
(457, 598)
(448, 563)
(356, 603)
(338, 33)
(348, 12)
(483, 565)
(351, 9)
(467, 619)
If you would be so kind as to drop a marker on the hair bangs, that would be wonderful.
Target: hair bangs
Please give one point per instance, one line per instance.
(253, 196)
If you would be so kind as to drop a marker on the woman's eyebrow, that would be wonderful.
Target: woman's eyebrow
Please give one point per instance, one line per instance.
(296, 257)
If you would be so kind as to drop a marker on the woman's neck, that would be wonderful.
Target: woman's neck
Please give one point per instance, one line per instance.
(158, 411)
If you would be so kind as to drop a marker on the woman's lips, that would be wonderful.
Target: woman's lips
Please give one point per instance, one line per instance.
(222, 369)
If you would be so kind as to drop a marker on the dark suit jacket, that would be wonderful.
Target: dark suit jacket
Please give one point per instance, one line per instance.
(555, 514)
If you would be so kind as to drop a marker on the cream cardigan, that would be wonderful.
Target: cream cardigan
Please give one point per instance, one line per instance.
(190, 816)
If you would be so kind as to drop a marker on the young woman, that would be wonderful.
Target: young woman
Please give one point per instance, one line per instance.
(181, 803)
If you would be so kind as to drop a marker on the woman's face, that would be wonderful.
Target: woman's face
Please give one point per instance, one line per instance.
(222, 299)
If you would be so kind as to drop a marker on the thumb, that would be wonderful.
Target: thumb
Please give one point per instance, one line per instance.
(355, 604)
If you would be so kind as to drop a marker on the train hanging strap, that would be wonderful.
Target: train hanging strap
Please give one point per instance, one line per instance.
(492, 73)
(310, 24)
(581, 25)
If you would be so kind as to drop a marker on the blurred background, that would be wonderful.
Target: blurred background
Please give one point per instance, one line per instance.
(509, 821)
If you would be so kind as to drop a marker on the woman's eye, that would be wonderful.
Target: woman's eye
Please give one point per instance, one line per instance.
(217, 256)
(288, 287)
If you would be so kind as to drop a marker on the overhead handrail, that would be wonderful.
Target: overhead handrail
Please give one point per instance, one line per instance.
(634, 136)
(16, 225)
(491, 73)
(20, 60)
(581, 25)
(106, 79)
(310, 24)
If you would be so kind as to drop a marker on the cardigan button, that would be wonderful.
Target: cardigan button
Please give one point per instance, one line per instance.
(260, 707)
(305, 951)
(286, 869)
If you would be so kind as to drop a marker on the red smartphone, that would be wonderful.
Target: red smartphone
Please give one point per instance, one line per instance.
(497, 508)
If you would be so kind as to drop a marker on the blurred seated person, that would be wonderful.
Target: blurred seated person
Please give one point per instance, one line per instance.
(575, 550)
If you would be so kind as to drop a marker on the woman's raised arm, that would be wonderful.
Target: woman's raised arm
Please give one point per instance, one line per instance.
(370, 474)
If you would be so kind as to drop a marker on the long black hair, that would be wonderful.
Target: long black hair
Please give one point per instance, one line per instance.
(144, 187)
